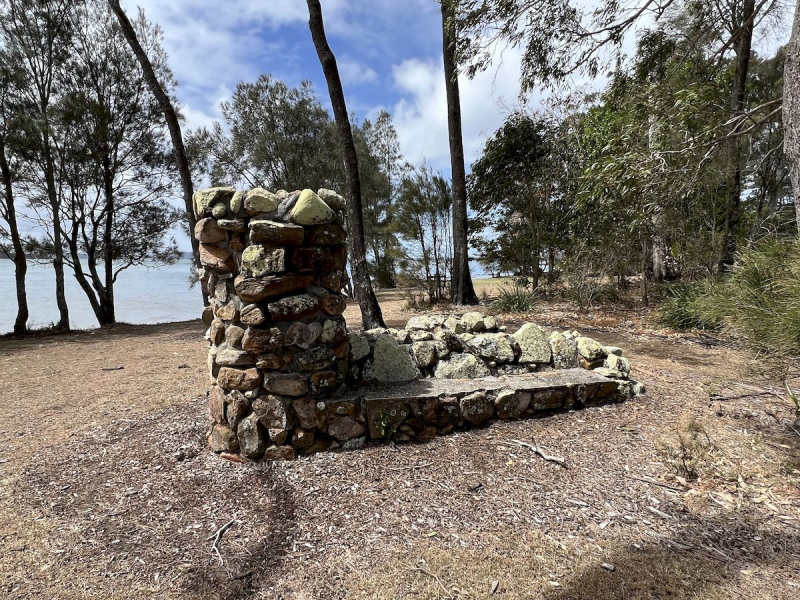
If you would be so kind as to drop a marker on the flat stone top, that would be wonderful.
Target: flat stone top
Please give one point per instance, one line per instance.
(433, 387)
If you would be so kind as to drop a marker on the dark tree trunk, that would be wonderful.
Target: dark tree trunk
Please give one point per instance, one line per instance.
(173, 124)
(743, 50)
(55, 207)
(20, 264)
(791, 109)
(371, 316)
(462, 291)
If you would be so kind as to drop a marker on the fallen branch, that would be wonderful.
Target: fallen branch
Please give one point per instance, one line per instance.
(716, 397)
(535, 447)
(435, 577)
(217, 537)
(112, 368)
(654, 482)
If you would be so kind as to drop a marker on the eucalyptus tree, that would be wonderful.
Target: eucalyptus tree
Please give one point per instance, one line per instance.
(791, 109)
(370, 309)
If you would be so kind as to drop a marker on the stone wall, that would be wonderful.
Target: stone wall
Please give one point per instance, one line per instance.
(288, 378)
(274, 265)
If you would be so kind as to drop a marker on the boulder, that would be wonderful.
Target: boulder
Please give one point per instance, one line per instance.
(223, 439)
(472, 322)
(250, 437)
(258, 201)
(236, 202)
(235, 225)
(565, 351)
(424, 323)
(238, 379)
(310, 209)
(204, 200)
(315, 359)
(252, 314)
(233, 357)
(345, 428)
(234, 335)
(332, 199)
(359, 347)
(286, 384)
(274, 233)
(490, 323)
(220, 211)
(534, 344)
(310, 413)
(216, 258)
(333, 304)
(492, 346)
(208, 232)
(258, 261)
(229, 311)
(271, 412)
(590, 349)
(390, 361)
(302, 335)
(257, 289)
(293, 307)
(461, 366)
(613, 350)
(261, 341)
(476, 408)
(323, 382)
(333, 330)
(424, 354)
(619, 364)
(510, 404)
(454, 325)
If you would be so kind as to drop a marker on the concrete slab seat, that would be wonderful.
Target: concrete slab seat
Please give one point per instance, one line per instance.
(425, 408)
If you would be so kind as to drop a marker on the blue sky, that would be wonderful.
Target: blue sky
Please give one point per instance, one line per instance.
(389, 55)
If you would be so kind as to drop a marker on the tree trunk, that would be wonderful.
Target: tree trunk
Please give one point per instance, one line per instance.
(791, 109)
(742, 48)
(173, 124)
(20, 263)
(643, 270)
(55, 207)
(462, 291)
(371, 316)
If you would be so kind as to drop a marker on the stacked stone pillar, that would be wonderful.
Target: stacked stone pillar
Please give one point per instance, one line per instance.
(273, 266)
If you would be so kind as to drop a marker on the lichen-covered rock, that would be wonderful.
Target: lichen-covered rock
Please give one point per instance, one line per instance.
(259, 201)
(258, 261)
(476, 408)
(310, 413)
(473, 322)
(236, 202)
(420, 336)
(233, 357)
(610, 373)
(490, 323)
(219, 211)
(424, 323)
(454, 325)
(513, 369)
(461, 366)
(333, 304)
(252, 314)
(359, 347)
(510, 404)
(401, 335)
(323, 382)
(208, 232)
(315, 359)
(204, 200)
(619, 364)
(332, 199)
(390, 361)
(424, 354)
(216, 404)
(250, 437)
(238, 379)
(310, 209)
(293, 307)
(274, 233)
(302, 335)
(590, 349)
(271, 412)
(534, 344)
(450, 339)
(333, 330)
(345, 428)
(565, 351)
(613, 350)
(223, 439)
(492, 346)
(256, 289)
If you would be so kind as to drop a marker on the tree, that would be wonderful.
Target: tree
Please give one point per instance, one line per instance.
(462, 290)
(171, 116)
(113, 166)
(35, 36)
(791, 109)
(277, 137)
(8, 210)
(362, 286)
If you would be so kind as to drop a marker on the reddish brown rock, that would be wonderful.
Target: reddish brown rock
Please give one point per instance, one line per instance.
(252, 314)
(237, 243)
(345, 428)
(217, 333)
(208, 315)
(255, 290)
(323, 382)
(276, 234)
(262, 341)
(294, 307)
(312, 258)
(302, 438)
(271, 411)
(385, 416)
(310, 413)
(223, 439)
(302, 335)
(333, 304)
(334, 280)
(238, 379)
(228, 312)
(326, 235)
(315, 359)
(208, 232)
(271, 362)
(237, 408)
(339, 254)
(280, 453)
(216, 404)
(216, 258)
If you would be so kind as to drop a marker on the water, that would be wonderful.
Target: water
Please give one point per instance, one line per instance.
(143, 296)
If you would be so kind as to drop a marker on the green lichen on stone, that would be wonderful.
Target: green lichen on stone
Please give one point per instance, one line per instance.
(258, 200)
(310, 209)
(534, 344)
(390, 362)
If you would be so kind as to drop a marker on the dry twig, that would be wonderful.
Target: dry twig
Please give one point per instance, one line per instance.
(218, 536)
(535, 447)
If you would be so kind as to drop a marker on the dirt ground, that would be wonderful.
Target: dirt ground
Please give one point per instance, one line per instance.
(109, 491)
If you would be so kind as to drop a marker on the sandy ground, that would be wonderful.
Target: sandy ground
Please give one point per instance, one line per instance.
(108, 490)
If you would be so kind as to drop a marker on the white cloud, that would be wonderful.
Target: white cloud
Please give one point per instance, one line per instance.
(354, 73)
(421, 114)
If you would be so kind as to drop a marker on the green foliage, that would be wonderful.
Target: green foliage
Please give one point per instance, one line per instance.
(686, 306)
(518, 296)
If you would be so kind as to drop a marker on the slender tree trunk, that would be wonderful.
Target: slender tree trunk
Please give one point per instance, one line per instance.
(107, 297)
(55, 207)
(20, 262)
(742, 48)
(462, 291)
(371, 316)
(173, 124)
(643, 270)
(791, 110)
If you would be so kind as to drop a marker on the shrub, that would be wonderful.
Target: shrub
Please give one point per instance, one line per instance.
(686, 307)
(515, 297)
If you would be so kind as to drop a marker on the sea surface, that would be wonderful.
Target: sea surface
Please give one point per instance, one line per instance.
(143, 295)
